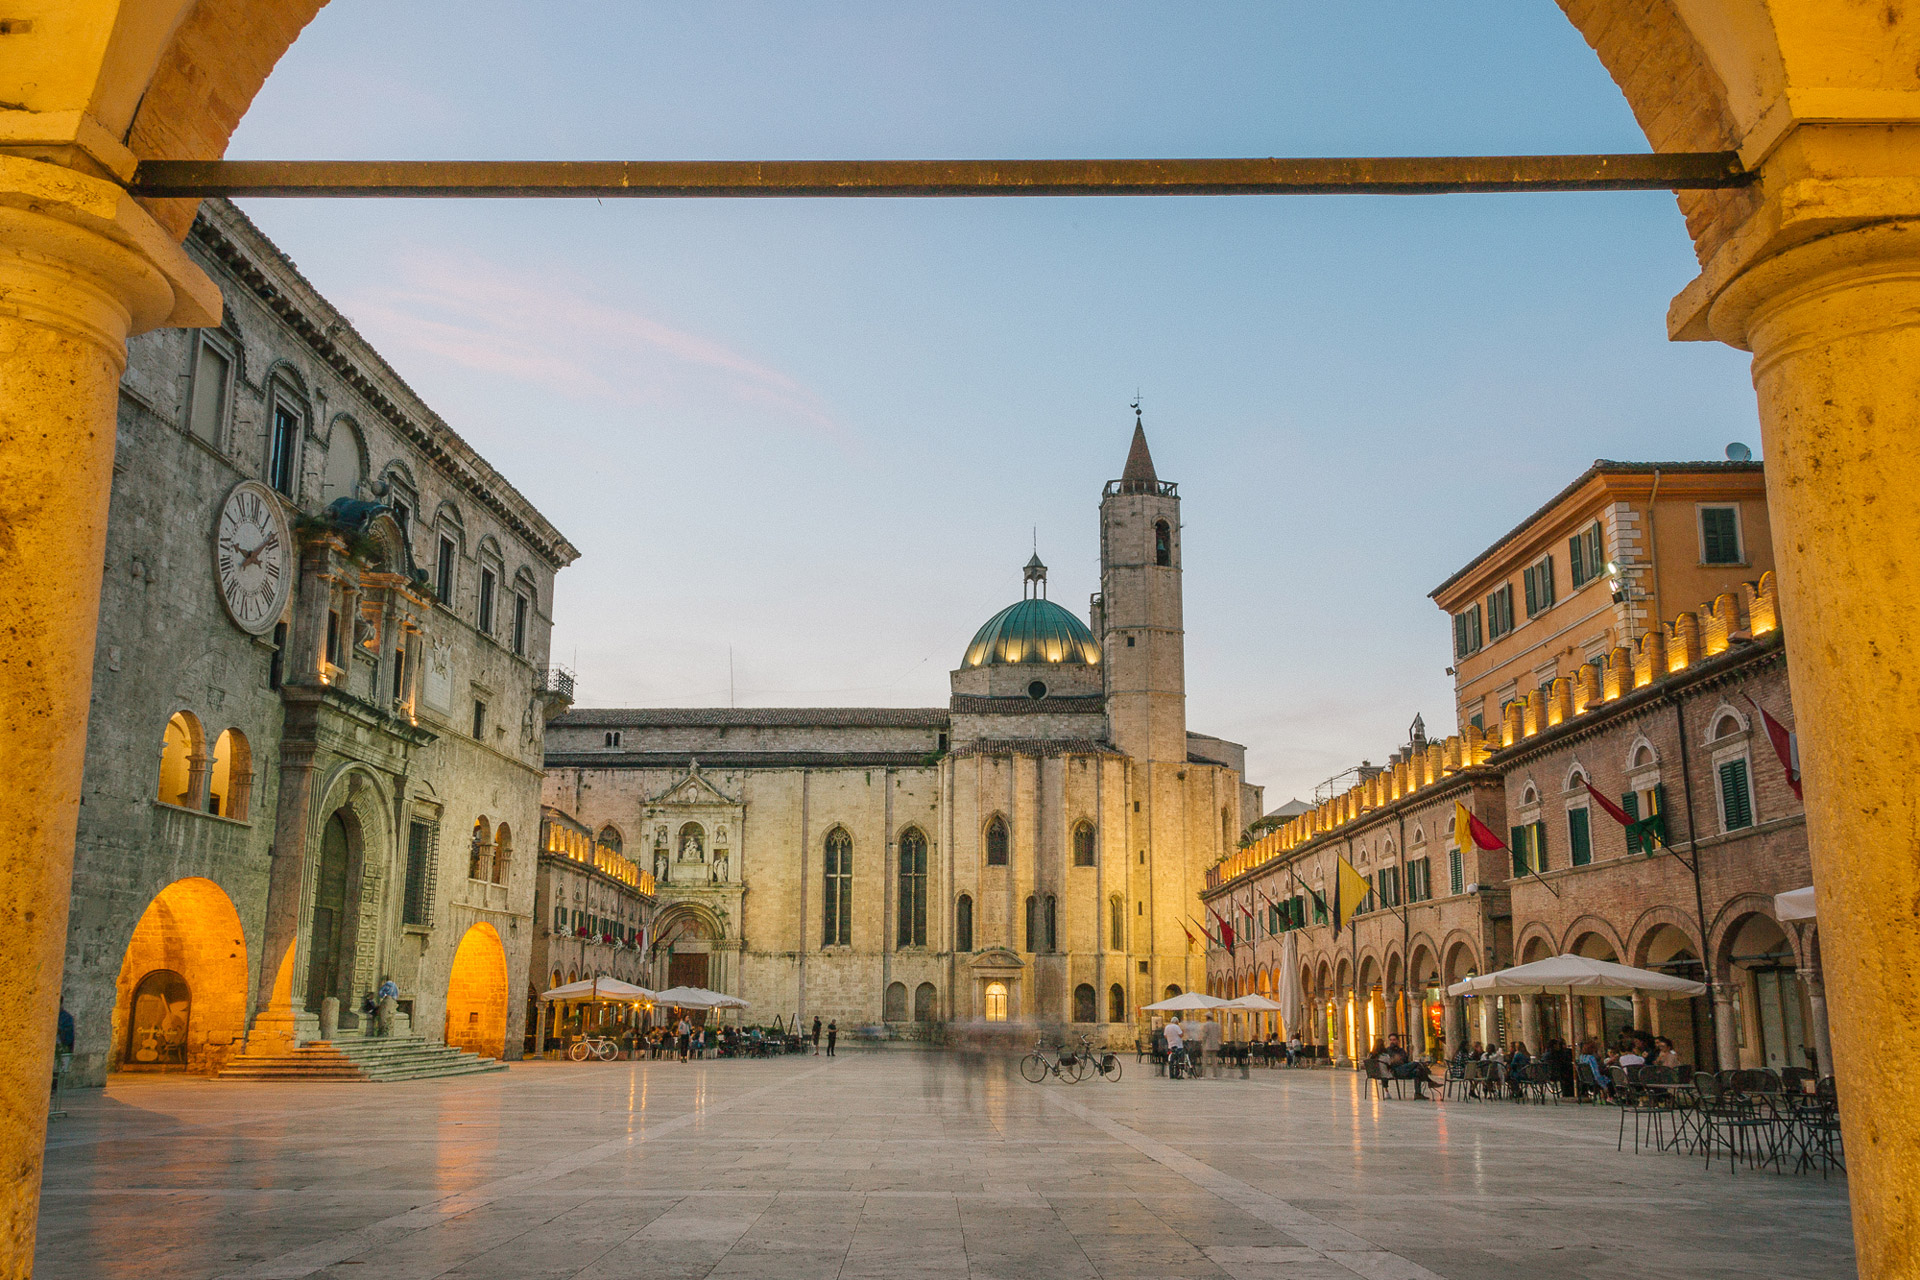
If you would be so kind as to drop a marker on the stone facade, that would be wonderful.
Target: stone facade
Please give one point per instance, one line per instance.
(316, 764)
(1029, 853)
(593, 913)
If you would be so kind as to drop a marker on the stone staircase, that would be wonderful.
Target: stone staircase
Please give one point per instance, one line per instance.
(354, 1057)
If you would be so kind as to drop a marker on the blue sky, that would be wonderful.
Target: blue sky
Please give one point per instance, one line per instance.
(821, 434)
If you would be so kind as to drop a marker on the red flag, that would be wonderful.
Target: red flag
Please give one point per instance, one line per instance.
(1479, 832)
(1226, 930)
(1188, 932)
(1614, 811)
(1782, 746)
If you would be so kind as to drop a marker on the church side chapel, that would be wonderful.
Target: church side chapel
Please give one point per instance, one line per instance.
(1030, 853)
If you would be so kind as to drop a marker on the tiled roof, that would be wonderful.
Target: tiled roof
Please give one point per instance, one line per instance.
(755, 717)
(967, 705)
(1036, 747)
(1139, 460)
(712, 761)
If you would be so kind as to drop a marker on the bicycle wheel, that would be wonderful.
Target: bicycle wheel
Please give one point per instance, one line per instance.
(1110, 1068)
(608, 1050)
(579, 1051)
(1034, 1068)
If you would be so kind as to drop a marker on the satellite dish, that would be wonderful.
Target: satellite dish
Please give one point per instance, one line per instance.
(1737, 452)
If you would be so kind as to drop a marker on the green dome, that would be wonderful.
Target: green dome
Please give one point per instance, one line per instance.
(1033, 631)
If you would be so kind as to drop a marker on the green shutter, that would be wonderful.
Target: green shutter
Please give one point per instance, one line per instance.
(1734, 797)
(1539, 846)
(1579, 839)
(1577, 558)
(1719, 536)
(1533, 596)
(1630, 801)
(1517, 843)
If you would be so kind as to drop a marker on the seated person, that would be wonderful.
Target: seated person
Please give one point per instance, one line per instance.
(1293, 1048)
(1664, 1054)
(1404, 1067)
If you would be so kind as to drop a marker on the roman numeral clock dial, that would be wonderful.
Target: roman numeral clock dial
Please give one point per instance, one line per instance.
(253, 557)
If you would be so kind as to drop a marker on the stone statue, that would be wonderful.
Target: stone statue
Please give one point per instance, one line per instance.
(691, 849)
(660, 865)
(719, 870)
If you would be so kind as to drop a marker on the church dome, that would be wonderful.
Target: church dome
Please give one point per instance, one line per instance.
(1033, 631)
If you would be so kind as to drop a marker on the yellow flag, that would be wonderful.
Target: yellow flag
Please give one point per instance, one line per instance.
(1352, 889)
(1462, 828)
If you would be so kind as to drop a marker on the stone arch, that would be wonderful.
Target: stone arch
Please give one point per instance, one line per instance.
(1460, 956)
(1576, 772)
(1592, 926)
(477, 993)
(925, 1002)
(183, 750)
(1426, 960)
(348, 465)
(893, 1005)
(1536, 942)
(190, 930)
(359, 797)
(1651, 921)
(1725, 711)
(1727, 922)
(1642, 754)
(689, 919)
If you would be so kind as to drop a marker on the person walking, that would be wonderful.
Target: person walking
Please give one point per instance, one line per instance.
(833, 1034)
(816, 1035)
(1176, 1037)
(683, 1030)
(1210, 1044)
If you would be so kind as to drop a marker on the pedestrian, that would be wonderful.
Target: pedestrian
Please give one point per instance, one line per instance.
(387, 1001)
(816, 1035)
(1293, 1048)
(1176, 1036)
(684, 1032)
(833, 1034)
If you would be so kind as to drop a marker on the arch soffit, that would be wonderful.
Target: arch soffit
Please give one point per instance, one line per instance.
(1576, 771)
(1651, 921)
(1720, 713)
(1640, 741)
(367, 804)
(1459, 943)
(1535, 932)
(698, 912)
(1422, 943)
(1727, 922)
(198, 893)
(1600, 928)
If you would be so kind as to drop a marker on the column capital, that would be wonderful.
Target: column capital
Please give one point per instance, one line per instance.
(81, 255)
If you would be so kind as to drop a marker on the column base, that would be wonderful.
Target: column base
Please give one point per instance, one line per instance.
(282, 1031)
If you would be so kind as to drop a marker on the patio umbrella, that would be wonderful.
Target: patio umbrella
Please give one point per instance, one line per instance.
(1292, 1003)
(598, 989)
(1251, 1003)
(1186, 1003)
(1794, 904)
(700, 998)
(1575, 975)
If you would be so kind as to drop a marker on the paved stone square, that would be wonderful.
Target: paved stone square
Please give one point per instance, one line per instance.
(889, 1164)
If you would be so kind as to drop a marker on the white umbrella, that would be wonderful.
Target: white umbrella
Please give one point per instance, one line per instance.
(598, 989)
(1575, 975)
(1251, 1003)
(699, 998)
(1185, 1003)
(1292, 1003)
(1794, 904)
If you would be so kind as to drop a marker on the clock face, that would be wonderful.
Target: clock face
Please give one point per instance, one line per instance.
(253, 557)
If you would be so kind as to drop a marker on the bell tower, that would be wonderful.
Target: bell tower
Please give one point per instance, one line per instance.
(1142, 635)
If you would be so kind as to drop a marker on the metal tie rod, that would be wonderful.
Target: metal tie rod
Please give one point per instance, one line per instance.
(1329, 175)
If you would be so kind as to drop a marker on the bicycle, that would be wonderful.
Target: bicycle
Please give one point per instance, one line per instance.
(1104, 1064)
(1046, 1060)
(586, 1047)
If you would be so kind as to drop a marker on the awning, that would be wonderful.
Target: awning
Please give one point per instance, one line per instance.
(699, 998)
(1794, 904)
(1575, 975)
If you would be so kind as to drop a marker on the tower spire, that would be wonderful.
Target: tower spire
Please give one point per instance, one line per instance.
(1139, 476)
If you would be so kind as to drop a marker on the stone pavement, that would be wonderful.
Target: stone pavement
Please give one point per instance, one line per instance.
(888, 1164)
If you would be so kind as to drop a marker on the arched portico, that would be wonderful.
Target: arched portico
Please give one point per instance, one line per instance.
(477, 993)
(1812, 268)
(181, 999)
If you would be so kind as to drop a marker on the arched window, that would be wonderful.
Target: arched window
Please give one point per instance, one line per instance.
(1083, 1002)
(923, 997)
(1116, 924)
(837, 902)
(1725, 727)
(556, 977)
(913, 888)
(1162, 543)
(997, 842)
(502, 853)
(963, 923)
(181, 759)
(1033, 923)
(996, 1001)
(1051, 921)
(610, 839)
(231, 782)
(346, 463)
(1116, 1003)
(1083, 845)
(895, 1007)
(480, 854)
(1173, 989)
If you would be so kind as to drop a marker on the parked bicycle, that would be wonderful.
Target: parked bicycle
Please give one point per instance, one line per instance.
(1099, 1062)
(1049, 1060)
(601, 1047)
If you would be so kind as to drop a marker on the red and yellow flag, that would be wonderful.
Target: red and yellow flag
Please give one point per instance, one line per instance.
(1469, 830)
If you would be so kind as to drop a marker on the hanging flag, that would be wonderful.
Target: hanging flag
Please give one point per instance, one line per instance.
(1226, 930)
(1614, 811)
(1785, 745)
(1190, 938)
(1469, 830)
(1350, 889)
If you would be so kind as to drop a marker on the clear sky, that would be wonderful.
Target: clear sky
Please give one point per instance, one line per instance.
(820, 435)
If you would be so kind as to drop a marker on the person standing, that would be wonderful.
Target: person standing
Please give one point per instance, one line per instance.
(816, 1035)
(833, 1034)
(1210, 1044)
(684, 1031)
(1176, 1045)
(387, 1002)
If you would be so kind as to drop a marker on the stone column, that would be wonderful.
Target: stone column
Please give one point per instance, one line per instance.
(1726, 1046)
(1530, 1023)
(82, 267)
(1816, 987)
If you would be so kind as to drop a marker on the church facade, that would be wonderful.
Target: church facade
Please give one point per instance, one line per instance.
(1031, 852)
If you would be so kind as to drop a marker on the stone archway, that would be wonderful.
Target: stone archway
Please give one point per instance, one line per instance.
(477, 993)
(181, 999)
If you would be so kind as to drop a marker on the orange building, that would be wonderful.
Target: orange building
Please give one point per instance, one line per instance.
(1625, 544)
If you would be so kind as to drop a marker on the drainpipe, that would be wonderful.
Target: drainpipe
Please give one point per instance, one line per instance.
(1699, 894)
